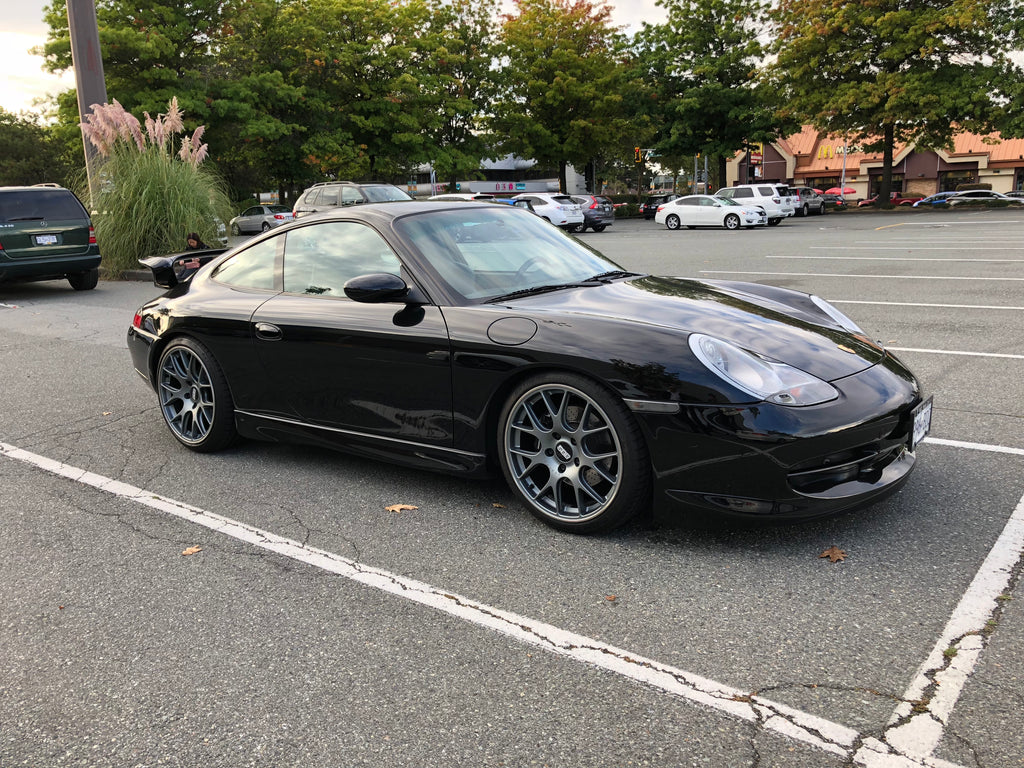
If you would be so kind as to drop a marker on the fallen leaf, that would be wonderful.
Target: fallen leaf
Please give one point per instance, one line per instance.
(610, 598)
(107, 413)
(834, 554)
(400, 507)
(192, 551)
(496, 505)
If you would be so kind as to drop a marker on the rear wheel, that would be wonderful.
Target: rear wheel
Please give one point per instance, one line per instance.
(573, 453)
(672, 222)
(806, 210)
(600, 227)
(732, 221)
(194, 397)
(265, 227)
(577, 229)
(85, 281)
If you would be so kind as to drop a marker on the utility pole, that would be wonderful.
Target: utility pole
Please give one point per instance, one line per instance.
(88, 64)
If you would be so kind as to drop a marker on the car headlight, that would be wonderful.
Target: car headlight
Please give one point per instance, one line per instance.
(836, 315)
(764, 379)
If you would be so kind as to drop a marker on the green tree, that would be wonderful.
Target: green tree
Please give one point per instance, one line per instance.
(561, 82)
(882, 71)
(458, 85)
(702, 65)
(31, 153)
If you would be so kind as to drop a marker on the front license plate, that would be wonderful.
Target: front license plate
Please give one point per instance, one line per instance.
(46, 239)
(922, 423)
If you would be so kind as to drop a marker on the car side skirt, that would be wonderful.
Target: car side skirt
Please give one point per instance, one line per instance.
(392, 450)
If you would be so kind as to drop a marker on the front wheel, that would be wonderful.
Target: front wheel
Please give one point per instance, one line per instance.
(573, 453)
(672, 222)
(235, 231)
(773, 222)
(194, 397)
(732, 221)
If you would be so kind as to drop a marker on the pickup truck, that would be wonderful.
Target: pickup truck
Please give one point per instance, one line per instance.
(895, 198)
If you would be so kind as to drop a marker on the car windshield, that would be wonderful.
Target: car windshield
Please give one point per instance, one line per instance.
(385, 193)
(483, 252)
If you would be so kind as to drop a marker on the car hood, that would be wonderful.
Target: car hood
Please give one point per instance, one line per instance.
(777, 323)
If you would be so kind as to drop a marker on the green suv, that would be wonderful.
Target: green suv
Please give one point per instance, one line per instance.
(46, 234)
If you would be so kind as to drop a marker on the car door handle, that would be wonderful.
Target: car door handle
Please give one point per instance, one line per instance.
(268, 332)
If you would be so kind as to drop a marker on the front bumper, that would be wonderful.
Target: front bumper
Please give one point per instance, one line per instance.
(785, 464)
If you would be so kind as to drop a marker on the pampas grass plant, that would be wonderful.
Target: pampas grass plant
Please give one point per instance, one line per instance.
(151, 189)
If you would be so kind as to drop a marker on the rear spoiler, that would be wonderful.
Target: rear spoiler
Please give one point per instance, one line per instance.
(177, 268)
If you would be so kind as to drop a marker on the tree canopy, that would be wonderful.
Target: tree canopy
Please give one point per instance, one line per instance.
(881, 71)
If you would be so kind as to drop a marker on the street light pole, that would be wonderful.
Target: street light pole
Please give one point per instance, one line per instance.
(88, 64)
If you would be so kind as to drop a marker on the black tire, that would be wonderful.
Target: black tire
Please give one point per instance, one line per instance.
(805, 211)
(194, 397)
(599, 227)
(235, 231)
(265, 227)
(573, 453)
(85, 281)
(578, 229)
(672, 221)
(732, 221)
(774, 222)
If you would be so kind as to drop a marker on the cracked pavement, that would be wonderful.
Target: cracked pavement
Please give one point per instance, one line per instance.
(736, 648)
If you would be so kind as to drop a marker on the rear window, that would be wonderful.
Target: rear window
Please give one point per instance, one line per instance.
(39, 205)
(562, 199)
(279, 209)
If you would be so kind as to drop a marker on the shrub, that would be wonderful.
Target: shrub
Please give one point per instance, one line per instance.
(147, 197)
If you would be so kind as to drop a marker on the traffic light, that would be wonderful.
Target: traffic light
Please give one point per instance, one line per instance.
(638, 156)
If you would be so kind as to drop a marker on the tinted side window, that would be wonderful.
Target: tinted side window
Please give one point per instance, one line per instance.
(350, 196)
(251, 268)
(321, 258)
(765, 191)
(312, 196)
(743, 192)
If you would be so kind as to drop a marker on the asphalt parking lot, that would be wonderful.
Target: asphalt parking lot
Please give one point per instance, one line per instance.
(311, 626)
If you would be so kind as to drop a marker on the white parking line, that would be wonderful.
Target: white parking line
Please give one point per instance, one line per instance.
(954, 352)
(900, 258)
(910, 740)
(829, 274)
(919, 304)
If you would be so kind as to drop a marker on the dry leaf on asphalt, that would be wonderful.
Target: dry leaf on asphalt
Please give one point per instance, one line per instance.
(400, 507)
(496, 505)
(192, 551)
(834, 554)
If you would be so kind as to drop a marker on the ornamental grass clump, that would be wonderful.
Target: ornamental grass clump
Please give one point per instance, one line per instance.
(151, 189)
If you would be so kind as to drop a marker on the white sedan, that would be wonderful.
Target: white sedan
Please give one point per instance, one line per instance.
(709, 211)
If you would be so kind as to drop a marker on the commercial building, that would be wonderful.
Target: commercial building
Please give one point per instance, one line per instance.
(813, 159)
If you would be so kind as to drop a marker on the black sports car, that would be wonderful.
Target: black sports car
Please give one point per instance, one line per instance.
(468, 338)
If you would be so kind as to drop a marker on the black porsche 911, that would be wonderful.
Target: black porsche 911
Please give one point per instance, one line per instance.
(479, 338)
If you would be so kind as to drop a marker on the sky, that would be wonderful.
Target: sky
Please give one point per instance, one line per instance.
(23, 28)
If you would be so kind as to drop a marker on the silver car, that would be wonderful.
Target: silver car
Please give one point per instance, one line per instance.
(260, 218)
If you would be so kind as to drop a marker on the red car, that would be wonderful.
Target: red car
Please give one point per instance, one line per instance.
(895, 198)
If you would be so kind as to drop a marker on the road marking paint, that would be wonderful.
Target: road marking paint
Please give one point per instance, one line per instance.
(915, 730)
(955, 352)
(975, 446)
(900, 258)
(915, 740)
(918, 304)
(821, 274)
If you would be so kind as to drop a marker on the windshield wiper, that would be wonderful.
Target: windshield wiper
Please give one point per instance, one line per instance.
(614, 274)
(540, 289)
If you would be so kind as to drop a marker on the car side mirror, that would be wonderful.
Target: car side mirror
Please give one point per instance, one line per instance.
(379, 288)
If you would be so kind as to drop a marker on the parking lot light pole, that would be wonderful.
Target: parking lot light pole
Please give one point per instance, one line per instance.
(88, 64)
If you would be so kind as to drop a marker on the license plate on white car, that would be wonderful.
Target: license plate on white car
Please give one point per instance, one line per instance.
(46, 239)
(922, 416)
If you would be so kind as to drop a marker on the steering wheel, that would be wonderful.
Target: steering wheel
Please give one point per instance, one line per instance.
(527, 265)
